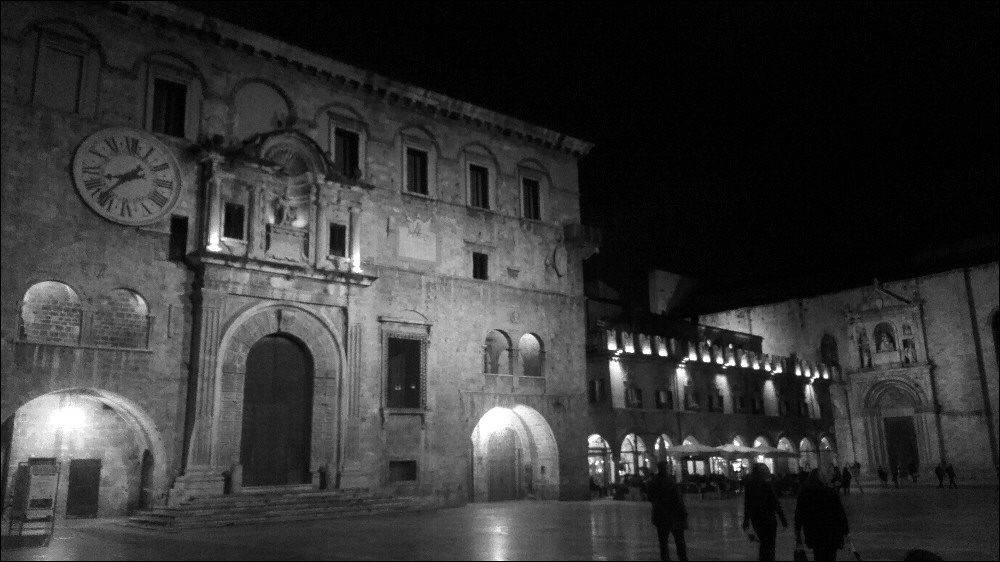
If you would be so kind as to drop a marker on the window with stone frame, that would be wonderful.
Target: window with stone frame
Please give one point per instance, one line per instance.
(234, 221)
(66, 71)
(173, 96)
(404, 367)
(416, 171)
(337, 244)
(596, 391)
(346, 152)
(347, 138)
(633, 397)
(479, 186)
(531, 202)
(664, 399)
(480, 266)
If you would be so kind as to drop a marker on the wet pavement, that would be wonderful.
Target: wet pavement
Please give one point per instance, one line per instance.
(956, 524)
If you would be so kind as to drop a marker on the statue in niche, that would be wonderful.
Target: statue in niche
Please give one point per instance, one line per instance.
(286, 213)
(907, 330)
(909, 353)
(886, 343)
(864, 349)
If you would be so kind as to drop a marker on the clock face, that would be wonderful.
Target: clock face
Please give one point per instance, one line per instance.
(127, 176)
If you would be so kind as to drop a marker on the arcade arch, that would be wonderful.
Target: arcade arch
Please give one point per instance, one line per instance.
(514, 456)
(111, 457)
(600, 461)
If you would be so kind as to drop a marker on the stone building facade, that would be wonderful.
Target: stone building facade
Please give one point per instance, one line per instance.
(919, 358)
(229, 262)
(655, 383)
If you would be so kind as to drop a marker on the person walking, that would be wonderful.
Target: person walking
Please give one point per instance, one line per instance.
(883, 476)
(820, 517)
(845, 480)
(939, 472)
(950, 471)
(669, 514)
(895, 476)
(760, 505)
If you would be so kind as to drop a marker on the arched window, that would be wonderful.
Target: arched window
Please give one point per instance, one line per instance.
(634, 457)
(600, 460)
(496, 353)
(828, 351)
(121, 319)
(532, 355)
(808, 457)
(51, 313)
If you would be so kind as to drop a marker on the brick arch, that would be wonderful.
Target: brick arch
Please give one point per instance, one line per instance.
(321, 343)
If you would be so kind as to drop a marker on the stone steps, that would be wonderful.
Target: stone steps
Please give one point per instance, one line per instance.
(243, 509)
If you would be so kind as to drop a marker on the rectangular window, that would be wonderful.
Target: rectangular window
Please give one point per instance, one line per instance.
(479, 186)
(178, 237)
(346, 150)
(416, 171)
(233, 221)
(530, 199)
(595, 391)
(169, 101)
(664, 400)
(404, 365)
(338, 240)
(402, 471)
(633, 397)
(58, 79)
(480, 266)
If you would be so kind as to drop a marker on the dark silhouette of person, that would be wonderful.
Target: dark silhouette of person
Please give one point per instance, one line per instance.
(883, 476)
(939, 472)
(950, 471)
(669, 514)
(895, 475)
(914, 474)
(845, 480)
(760, 505)
(820, 516)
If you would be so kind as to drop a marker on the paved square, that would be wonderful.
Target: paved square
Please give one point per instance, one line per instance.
(957, 524)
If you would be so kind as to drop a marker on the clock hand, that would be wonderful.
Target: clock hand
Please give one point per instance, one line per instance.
(133, 174)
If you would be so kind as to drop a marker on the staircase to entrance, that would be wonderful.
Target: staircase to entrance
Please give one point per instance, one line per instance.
(275, 504)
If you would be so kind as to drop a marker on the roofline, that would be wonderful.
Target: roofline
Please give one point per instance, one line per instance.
(345, 76)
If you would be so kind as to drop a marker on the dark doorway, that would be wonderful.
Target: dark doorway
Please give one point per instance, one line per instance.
(84, 487)
(277, 413)
(501, 451)
(901, 442)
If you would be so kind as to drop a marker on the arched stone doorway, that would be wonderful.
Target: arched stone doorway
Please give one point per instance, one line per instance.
(514, 456)
(319, 356)
(111, 458)
(600, 461)
(277, 408)
(898, 425)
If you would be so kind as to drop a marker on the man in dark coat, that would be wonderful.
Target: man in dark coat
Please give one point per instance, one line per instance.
(669, 514)
(950, 471)
(939, 472)
(820, 516)
(760, 505)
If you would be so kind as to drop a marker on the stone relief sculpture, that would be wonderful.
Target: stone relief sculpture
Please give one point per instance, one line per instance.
(864, 349)
(909, 353)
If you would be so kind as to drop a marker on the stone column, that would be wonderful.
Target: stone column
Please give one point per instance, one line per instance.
(200, 474)
(355, 239)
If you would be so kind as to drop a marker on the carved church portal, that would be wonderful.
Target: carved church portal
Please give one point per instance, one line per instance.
(502, 452)
(277, 413)
(901, 441)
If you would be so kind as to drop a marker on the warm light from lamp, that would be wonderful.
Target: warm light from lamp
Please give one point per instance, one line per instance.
(213, 242)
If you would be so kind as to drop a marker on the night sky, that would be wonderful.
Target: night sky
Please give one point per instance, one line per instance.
(768, 150)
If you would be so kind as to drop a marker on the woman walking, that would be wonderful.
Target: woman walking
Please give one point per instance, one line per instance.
(820, 516)
(760, 504)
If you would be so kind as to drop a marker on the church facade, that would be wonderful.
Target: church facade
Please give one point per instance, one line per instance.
(230, 263)
(919, 360)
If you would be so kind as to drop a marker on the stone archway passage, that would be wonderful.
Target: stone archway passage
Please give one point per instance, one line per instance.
(277, 409)
(502, 465)
(514, 447)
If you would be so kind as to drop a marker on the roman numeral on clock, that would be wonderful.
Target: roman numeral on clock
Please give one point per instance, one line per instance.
(132, 146)
(126, 210)
(158, 198)
(165, 184)
(112, 144)
(160, 167)
(94, 184)
(92, 170)
(106, 200)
